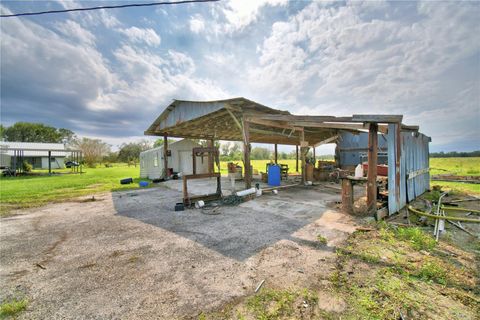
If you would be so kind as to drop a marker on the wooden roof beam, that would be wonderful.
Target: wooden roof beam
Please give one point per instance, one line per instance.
(328, 140)
(377, 118)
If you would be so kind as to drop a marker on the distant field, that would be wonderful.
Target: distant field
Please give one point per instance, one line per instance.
(456, 166)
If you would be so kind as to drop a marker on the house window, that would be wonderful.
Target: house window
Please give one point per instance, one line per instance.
(155, 160)
(52, 159)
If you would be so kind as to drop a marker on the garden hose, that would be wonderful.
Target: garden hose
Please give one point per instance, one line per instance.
(459, 209)
(421, 213)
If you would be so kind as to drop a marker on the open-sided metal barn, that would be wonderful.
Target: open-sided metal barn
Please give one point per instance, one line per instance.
(240, 119)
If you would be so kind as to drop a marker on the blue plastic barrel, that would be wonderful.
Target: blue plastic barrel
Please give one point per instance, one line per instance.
(274, 175)
(143, 184)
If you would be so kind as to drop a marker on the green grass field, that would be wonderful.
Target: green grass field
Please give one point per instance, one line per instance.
(459, 167)
(31, 191)
(455, 166)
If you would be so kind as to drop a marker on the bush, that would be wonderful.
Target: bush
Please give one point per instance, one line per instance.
(27, 167)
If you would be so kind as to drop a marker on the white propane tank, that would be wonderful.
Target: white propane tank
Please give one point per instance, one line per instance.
(359, 171)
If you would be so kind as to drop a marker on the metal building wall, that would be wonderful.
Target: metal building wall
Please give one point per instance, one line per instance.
(408, 174)
(350, 146)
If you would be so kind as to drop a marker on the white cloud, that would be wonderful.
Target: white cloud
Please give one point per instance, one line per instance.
(72, 81)
(76, 33)
(142, 35)
(197, 24)
(345, 58)
(240, 13)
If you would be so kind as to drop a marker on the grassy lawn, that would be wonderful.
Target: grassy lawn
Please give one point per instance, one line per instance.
(456, 166)
(30, 191)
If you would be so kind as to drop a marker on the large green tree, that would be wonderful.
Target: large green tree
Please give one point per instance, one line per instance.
(131, 151)
(37, 132)
(93, 150)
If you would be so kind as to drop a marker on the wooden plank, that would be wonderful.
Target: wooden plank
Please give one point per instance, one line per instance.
(296, 158)
(328, 140)
(201, 176)
(372, 168)
(378, 118)
(246, 155)
(269, 123)
(289, 118)
(234, 118)
(276, 154)
(409, 128)
(302, 155)
(211, 144)
(347, 196)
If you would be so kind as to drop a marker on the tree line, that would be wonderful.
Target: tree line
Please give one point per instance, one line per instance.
(455, 154)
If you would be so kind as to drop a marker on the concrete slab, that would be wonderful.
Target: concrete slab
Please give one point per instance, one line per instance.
(237, 232)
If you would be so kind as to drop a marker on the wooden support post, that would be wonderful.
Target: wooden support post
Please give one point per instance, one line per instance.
(276, 153)
(211, 144)
(246, 155)
(296, 163)
(303, 151)
(165, 155)
(314, 158)
(49, 161)
(372, 168)
(347, 196)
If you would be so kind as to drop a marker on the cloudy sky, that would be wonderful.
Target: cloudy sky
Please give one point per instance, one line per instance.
(109, 73)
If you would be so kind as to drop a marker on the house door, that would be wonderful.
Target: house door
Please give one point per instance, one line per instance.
(186, 165)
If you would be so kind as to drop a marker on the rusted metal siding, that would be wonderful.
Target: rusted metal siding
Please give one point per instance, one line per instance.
(183, 111)
(351, 146)
(408, 174)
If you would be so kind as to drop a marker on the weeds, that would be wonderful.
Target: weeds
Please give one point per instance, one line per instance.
(277, 304)
(417, 238)
(322, 239)
(431, 271)
(12, 307)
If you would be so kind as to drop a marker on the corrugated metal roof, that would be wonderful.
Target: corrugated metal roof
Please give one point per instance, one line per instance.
(33, 145)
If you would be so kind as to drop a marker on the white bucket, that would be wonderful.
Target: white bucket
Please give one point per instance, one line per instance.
(275, 191)
(259, 192)
(199, 204)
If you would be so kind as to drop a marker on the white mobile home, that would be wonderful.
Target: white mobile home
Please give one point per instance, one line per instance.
(180, 160)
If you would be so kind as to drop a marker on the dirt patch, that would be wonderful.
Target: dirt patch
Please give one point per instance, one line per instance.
(134, 257)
